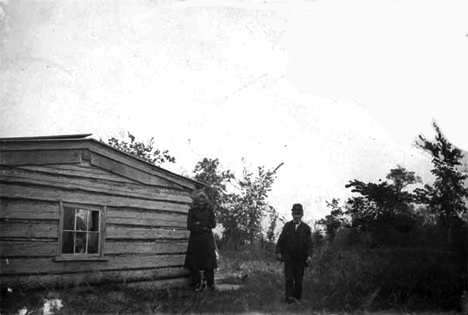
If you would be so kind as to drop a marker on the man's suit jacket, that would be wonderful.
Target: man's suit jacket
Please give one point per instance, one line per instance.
(296, 244)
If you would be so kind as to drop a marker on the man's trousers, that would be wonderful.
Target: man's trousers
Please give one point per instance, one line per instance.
(294, 274)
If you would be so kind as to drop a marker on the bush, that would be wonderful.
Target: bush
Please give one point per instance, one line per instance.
(353, 281)
(378, 279)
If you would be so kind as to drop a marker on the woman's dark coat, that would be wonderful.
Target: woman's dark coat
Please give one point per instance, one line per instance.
(201, 251)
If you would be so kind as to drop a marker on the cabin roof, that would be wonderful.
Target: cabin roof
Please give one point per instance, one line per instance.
(84, 141)
(55, 137)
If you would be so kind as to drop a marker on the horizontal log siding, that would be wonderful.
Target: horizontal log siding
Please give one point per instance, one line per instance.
(42, 193)
(98, 152)
(159, 277)
(142, 217)
(49, 266)
(132, 172)
(113, 248)
(42, 230)
(36, 248)
(93, 185)
(78, 170)
(103, 150)
(39, 157)
(36, 219)
(28, 209)
(114, 232)
(28, 229)
(146, 235)
(26, 248)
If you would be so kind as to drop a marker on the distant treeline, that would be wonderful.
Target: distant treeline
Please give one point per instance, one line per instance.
(401, 239)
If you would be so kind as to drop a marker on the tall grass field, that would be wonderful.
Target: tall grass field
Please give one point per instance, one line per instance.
(251, 281)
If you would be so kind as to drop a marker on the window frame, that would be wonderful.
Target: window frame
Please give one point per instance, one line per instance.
(99, 256)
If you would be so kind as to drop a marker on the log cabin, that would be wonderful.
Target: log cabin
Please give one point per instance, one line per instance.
(74, 210)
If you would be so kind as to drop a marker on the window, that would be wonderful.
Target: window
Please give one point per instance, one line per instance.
(81, 232)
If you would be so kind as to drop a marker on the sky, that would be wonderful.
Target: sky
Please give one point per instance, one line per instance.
(336, 90)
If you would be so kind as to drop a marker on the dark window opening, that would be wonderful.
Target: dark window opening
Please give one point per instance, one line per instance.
(81, 231)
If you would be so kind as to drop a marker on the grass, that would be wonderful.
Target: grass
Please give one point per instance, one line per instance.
(334, 285)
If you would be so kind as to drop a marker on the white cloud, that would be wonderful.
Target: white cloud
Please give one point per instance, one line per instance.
(226, 82)
(390, 56)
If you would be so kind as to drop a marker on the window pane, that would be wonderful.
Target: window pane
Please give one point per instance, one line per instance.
(82, 219)
(81, 231)
(80, 243)
(93, 243)
(94, 221)
(68, 218)
(67, 242)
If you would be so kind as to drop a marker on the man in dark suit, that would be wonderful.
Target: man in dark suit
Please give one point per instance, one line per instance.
(294, 247)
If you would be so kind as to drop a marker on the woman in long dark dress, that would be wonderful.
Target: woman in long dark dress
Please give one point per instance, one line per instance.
(201, 251)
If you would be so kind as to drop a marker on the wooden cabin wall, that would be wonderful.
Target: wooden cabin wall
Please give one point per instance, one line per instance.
(145, 239)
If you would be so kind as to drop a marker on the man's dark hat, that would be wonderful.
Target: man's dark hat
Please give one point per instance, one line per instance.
(297, 207)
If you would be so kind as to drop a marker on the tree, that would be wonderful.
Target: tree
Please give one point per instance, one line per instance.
(447, 196)
(382, 204)
(254, 194)
(241, 210)
(335, 220)
(142, 150)
(401, 178)
(274, 216)
(235, 222)
(248, 206)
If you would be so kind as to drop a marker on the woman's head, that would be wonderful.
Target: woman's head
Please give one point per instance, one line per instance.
(201, 200)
